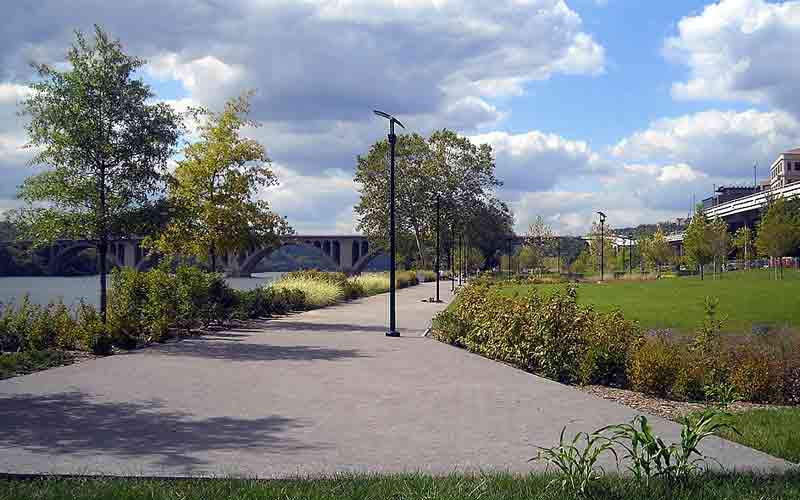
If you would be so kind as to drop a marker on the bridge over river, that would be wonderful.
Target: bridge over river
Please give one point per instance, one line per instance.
(347, 253)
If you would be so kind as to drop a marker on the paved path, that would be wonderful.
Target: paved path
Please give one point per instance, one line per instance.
(319, 392)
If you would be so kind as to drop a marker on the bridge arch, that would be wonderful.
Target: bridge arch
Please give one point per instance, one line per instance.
(250, 261)
(64, 255)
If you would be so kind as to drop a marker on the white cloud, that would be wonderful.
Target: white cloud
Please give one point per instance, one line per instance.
(740, 50)
(536, 160)
(719, 143)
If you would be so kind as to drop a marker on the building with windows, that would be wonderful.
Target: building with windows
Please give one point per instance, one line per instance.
(785, 170)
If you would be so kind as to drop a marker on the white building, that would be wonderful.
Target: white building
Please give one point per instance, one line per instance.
(786, 169)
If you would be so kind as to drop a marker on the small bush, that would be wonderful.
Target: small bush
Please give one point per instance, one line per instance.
(405, 279)
(654, 366)
(755, 373)
(91, 331)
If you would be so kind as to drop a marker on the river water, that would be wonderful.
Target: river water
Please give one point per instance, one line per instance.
(71, 290)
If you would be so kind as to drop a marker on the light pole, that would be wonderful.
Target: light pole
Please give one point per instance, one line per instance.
(602, 244)
(452, 260)
(437, 246)
(392, 245)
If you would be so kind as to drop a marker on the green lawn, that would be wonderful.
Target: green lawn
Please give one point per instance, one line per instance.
(402, 487)
(774, 431)
(746, 298)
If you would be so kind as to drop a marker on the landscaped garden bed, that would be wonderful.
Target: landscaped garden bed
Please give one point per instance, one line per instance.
(549, 330)
(160, 305)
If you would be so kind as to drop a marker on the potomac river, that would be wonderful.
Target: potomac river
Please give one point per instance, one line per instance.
(70, 290)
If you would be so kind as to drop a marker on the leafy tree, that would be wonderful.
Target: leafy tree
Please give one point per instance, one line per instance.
(743, 242)
(445, 164)
(105, 141)
(213, 191)
(778, 232)
(656, 250)
(719, 240)
(472, 257)
(697, 241)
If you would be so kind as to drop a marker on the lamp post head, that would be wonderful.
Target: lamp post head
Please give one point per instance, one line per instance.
(602, 216)
(392, 119)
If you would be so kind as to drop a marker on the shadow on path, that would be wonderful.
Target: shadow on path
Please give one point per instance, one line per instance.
(313, 326)
(242, 351)
(75, 423)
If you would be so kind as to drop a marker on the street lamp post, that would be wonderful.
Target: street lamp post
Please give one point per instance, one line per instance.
(602, 244)
(392, 244)
(437, 246)
(452, 260)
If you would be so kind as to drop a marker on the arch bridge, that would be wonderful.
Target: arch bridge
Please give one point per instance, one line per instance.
(347, 253)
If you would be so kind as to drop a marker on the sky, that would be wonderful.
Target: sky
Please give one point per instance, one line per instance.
(631, 107)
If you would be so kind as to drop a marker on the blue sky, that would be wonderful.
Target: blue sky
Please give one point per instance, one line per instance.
(627, 106)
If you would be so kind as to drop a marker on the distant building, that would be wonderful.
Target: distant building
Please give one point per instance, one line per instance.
(786, 169)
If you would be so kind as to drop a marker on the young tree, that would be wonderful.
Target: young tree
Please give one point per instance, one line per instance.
(656, 250)
(539, 243)
(214, 188)
(697, 241)
(778, 232)
(743, 242)
(719, 240)
(105, 142)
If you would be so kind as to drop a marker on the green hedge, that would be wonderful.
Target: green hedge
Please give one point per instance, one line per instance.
(557, 338)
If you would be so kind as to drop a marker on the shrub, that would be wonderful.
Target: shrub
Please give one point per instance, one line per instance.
(222, 301)
(192, 300)
(653, 366)
(553, 336)
(15, 324)
(126, 304)
(755, 373)
(608, 344)
(90, 329)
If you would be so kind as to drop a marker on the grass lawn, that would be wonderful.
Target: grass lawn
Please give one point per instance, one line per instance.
(399, 487)
(773, 431)
(745, 297)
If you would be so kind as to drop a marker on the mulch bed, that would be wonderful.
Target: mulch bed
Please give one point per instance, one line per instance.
(653, 405)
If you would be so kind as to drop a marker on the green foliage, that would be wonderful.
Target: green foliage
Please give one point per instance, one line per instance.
(21, 363)
(576, 460)
(91, 330)
(549, 335)
(461, 173)
(318, 292)
(106, 141)
(213, 191)
(648, 456)
(697, 240)
(779, 230)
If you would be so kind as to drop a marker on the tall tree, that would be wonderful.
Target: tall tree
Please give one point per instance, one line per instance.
(743, 242)
(446, 165)
(778, 232)
(697, 241)
(214, 191)
(105, 143)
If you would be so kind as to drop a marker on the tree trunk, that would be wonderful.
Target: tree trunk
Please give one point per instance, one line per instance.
(103, 252)
(701, 272)
(213, 259)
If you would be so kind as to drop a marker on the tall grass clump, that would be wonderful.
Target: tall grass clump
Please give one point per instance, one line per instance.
(318, 292)
(372, 283)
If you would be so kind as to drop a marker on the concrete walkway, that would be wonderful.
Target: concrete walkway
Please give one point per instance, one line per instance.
(318, 392)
